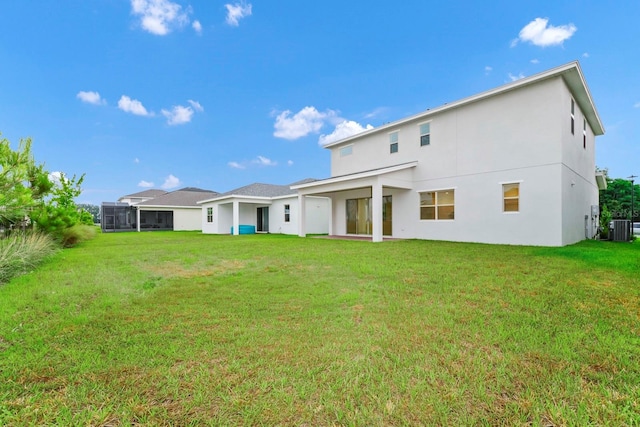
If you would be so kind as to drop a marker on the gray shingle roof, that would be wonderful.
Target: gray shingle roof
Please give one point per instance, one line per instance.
(145, 193)
(258, 189)
(188, 196)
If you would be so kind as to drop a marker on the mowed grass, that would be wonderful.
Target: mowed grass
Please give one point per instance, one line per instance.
(188, 329)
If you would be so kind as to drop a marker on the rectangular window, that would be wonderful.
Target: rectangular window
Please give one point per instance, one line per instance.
(573, 117)
(287, 213)
(437, 205)
(393, 142)
(425, 134)
(511, 197)
(345, 151)
(584, 133)
(209, 214)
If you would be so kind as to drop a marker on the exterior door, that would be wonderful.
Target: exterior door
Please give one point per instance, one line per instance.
(359, 216)
(387, 217)
(263, 220)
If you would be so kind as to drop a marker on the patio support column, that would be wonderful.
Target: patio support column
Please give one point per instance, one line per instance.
(137, 219)
(376, 211)
(302, 215)
(236, 218)
(330, 216)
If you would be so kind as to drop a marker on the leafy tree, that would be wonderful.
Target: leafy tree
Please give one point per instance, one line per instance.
(60, 212)
(617, 198)
(23, 183)
(94, 210)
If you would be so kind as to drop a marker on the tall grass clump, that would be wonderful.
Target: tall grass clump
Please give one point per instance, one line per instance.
(76, 234)
(21, 252)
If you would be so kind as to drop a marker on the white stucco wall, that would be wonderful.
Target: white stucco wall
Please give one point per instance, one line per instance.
(187, 219)
(210, 227)
(515, 129)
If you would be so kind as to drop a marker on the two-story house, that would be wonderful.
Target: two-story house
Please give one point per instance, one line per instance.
(513, 165)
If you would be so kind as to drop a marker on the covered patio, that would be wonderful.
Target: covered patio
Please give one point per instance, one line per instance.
(361, 204)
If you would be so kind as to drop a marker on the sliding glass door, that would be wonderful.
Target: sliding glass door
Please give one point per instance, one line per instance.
(359, 216)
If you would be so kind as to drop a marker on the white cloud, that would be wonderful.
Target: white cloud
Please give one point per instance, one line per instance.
(539, 33)
(585, 55)
(159, 17)
(306, 121)
(90, 98)
(636, 105)
(237, 11)
(488, 69)
(514, 78)
(343, 130)
(236, 165)
(196, 105)
(377, 112)
(180, 114)
(145, 184)
(263, 161)
(55, 177)
(290, 162)
(170, 182)
(136, 160)
(535, 61)
(132, 106)
(197, 26)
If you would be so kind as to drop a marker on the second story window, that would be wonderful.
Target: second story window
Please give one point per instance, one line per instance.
(393, 142)
(345, 151)
(425, 134)
(573, 117)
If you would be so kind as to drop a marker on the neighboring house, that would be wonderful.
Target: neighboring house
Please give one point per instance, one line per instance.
(152, 210)
(263, 208)
(513, 165)
(178, 210)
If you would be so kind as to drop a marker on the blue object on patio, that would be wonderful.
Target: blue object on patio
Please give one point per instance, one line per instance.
(245, 229)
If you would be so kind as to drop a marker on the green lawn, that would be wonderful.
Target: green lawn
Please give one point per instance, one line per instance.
(188, 329)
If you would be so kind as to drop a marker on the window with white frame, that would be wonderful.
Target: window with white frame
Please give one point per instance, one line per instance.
(346, 151)
(511, 197)
(425, 134)
(393, 142)
(573, 117)
(287, 213)
(209, 214)
(437, 205)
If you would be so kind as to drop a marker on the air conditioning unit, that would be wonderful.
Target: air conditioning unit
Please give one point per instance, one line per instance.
(621, 231)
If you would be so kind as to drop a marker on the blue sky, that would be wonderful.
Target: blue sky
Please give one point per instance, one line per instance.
(143, 94)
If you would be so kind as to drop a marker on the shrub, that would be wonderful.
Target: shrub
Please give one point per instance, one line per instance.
(78, 233)
(21, 252)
